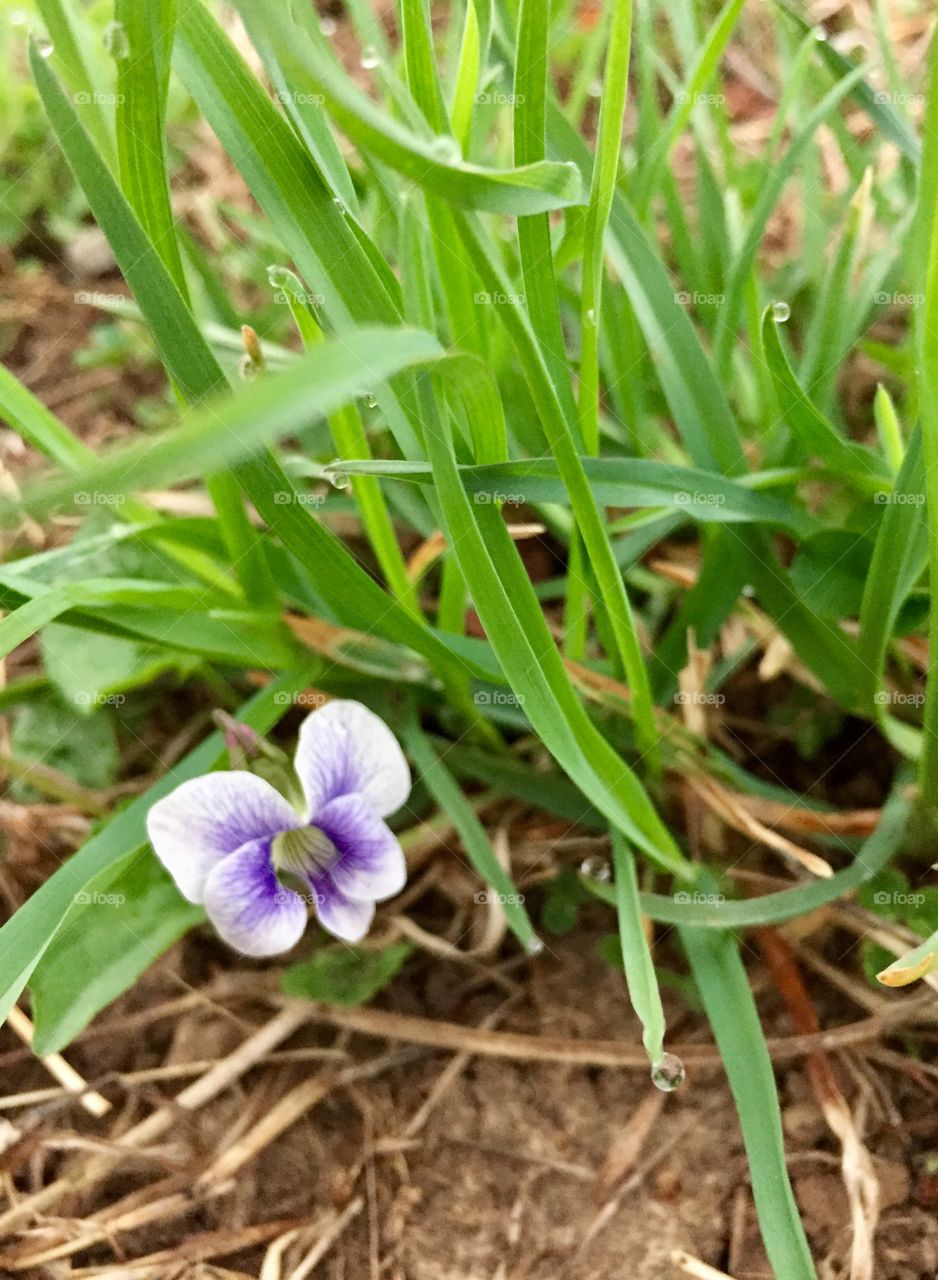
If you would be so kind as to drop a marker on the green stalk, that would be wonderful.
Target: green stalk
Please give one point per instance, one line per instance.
(602, 190)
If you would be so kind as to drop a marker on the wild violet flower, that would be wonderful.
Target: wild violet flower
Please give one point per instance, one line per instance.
(254, 861)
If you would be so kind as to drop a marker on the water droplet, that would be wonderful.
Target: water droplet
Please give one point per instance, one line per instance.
(340, 205)
(328, 26)
(596, 89)
(447, 150)
(281, 278)
(781, 311)
(820, 35)
(667, 1074)
(336, 477)
(247, 369)
(596, 868)
(534, 946)
(44, 47)
(590, 318)
(116, 41)
(370, 58)
(370, 401)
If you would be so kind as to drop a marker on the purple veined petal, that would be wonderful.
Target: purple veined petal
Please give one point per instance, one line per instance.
(371, 865)
(345, 748)
(343, 917)
(249, 907)
(208, 818)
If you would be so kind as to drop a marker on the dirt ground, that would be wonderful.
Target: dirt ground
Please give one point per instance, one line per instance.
(441, 1166)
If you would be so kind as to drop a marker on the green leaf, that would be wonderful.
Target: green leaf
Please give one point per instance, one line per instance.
(346, 975)
(48, 731)
(89, 669)
(113, 936)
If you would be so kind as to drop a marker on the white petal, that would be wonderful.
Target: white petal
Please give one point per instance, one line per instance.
(344, 917)
(249, 907)
(371, 865)
(345, 748)
(208, 818)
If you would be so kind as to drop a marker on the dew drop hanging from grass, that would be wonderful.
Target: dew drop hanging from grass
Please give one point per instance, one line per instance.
(781, 311)
(116, 41)
(667, 1074)
(447, 150)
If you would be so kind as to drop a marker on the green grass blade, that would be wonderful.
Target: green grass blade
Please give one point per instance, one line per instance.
(602, 190)
(881, 113)
(451, 800)
(858, 465)
(724, 986)
(702, 72)
(614, 482)
(900, 555)
(230, 429)
(786, 904)
(529, 189)
(636, 953)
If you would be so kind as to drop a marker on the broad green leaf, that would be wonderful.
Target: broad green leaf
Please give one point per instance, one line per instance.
(113, 936)
(346, 975)
(61, 735)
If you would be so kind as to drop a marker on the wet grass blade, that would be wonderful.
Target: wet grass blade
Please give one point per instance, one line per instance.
(636, 953)
(722, 982)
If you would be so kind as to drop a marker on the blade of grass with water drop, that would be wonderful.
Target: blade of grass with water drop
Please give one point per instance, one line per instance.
(636, 953)
(722, 982)
(863, 469)
(528, 189)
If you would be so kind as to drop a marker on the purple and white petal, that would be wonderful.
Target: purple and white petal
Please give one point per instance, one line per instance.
(345, 918)
(249, 907)
(345, 748)
(370, 866)
(206, 819)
